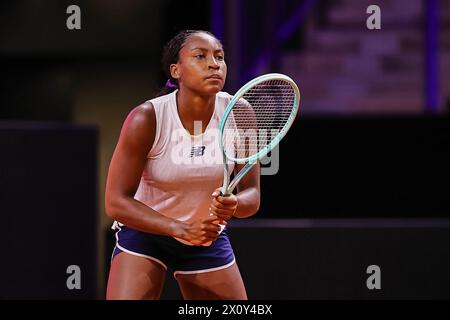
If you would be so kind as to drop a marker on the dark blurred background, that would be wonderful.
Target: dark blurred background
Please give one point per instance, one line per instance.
(369, 152)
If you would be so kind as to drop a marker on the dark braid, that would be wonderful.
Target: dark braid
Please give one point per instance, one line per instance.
(170, 56)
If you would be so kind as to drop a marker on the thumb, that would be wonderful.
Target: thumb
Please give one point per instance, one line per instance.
(216, 192)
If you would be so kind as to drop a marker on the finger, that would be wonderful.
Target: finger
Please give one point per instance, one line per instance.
(213, 224)
(211, 218)
(217, 204)
(211, 227)
(216, 192)
(230, 200)
(217, 211)
(218, 222)
(221, 221)
(211, 235)
(226, 217)
(223, 217)
(230, 205)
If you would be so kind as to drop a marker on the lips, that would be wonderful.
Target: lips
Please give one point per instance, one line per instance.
(214, 76)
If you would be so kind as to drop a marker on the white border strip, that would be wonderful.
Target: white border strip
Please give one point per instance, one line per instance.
(141, 255)
(341, 223)
(135, 253)
(205, 270)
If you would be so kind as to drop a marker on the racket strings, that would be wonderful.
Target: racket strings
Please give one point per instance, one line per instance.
(258, 118)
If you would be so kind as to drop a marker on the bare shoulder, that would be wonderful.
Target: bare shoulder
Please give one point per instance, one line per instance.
(142, 115)
(139, 127)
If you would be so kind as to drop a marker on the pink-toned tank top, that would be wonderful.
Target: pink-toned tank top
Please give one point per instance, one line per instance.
(182, 170)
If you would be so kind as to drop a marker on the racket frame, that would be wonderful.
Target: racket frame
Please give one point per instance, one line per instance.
(227, 187)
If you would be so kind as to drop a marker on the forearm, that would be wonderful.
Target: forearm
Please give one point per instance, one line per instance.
(248, 203)
(137, 215)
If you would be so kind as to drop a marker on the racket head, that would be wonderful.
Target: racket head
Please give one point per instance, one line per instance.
(265, 106)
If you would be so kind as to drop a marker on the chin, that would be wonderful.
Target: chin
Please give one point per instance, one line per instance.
(212, 89)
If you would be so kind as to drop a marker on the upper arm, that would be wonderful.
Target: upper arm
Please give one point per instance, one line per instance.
(136, 139)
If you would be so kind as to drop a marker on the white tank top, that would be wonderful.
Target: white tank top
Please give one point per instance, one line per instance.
(182, 170)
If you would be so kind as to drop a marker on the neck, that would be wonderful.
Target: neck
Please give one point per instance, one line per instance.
(193, 107)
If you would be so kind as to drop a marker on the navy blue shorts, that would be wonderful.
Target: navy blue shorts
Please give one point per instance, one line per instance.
(169, 252)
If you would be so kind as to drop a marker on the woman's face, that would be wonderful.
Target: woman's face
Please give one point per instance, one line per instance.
(201, 66)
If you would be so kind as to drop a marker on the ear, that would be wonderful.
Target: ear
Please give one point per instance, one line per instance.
(175, 71)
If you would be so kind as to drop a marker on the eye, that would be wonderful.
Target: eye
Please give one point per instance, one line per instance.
(220, 57)
(199, 56)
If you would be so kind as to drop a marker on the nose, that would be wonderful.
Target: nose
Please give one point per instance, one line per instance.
(213, 64)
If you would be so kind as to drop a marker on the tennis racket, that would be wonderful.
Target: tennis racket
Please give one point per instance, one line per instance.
(255, 120)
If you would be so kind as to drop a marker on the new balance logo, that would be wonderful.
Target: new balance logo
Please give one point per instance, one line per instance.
(197, 151)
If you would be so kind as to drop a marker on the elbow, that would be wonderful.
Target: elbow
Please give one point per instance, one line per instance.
(257, 201)
(257, 205)
(111, 211)
(250, 207)
(255, 208)
(113, 208)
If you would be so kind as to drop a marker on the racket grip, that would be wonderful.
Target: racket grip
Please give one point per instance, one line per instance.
(223, 195)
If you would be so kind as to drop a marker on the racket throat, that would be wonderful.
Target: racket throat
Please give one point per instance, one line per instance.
(228, 188)
(226, 182)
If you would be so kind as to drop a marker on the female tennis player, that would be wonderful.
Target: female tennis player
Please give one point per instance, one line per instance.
(164, 179)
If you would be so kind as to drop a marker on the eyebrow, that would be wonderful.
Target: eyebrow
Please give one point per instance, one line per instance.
(204, 49)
